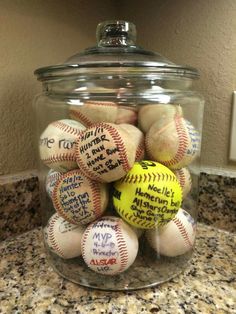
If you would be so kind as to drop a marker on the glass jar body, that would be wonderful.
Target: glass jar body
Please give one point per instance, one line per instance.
(142, 103)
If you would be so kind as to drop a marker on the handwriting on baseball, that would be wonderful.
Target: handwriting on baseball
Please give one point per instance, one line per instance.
(104, 250)
(153, 204)
(99, 150)
(74, 199)
(65, 227)
(54, 143)
(194, 140)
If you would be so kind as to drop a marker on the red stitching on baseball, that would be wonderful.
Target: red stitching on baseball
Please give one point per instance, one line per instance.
(120, 144)
(84, 119)
(51, 237)
(140, 150)
(150, 155)
(66, 128)
(96, 197)
(183, 143)
(59, 158)
(123, 251)
(51, 178)
(81, 117)
(183, 231)
(83, 242)
(181, 177)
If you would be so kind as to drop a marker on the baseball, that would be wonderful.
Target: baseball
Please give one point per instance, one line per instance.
(105, 152)
(109, 246)
(127, 114)
(185, 181)
(63, 238)
(176, 238)
(57, 144)
(51, 180)
(175, 145)
(92, 112)
(138, 140)
(161, 114)
(78, 199)
(148, 196)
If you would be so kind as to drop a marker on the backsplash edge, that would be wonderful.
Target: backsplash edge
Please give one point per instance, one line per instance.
(20, 205)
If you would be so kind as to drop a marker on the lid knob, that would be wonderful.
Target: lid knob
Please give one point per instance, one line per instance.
(116, 33)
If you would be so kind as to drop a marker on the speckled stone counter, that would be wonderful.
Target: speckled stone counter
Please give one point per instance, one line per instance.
(19, 204)
(208, 285)
(217, 201)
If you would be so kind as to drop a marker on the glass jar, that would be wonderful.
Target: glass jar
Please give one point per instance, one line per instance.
(119, 131)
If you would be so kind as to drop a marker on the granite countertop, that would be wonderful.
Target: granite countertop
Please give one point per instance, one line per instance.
(28, 283)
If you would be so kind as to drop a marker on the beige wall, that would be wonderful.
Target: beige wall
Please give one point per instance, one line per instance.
(38, 32)
(34, 33)
(200, 33)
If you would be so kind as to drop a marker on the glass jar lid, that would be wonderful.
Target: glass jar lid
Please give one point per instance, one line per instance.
(116, 52)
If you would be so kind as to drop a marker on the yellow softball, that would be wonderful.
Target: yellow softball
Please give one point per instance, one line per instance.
(149, 195)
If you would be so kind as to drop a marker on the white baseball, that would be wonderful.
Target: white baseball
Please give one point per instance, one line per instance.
(157, 113)
(51, 180)
(175, 145)
(185, 181)
(105, 152)
(92, 112)
(63, 238)
(127, 114)
(57, 144)
(109, 245)
(175, 238)
(78, 199)
(138, 140)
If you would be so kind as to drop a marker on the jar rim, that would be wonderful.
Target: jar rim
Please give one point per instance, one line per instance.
(59, 71)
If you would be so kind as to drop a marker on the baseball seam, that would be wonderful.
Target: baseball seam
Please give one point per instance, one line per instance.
(123, 251)
(59, 158)
(147, 138)
(120, 144)
(83, 242)
(182, 231)
(66, 128)
(51, 236)
(88, 122)
(52, 178)
(183, 143)
(140, 150)
(81, 117)
(181, 177)
(96, 198)
(150, 177)
(140, 222)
